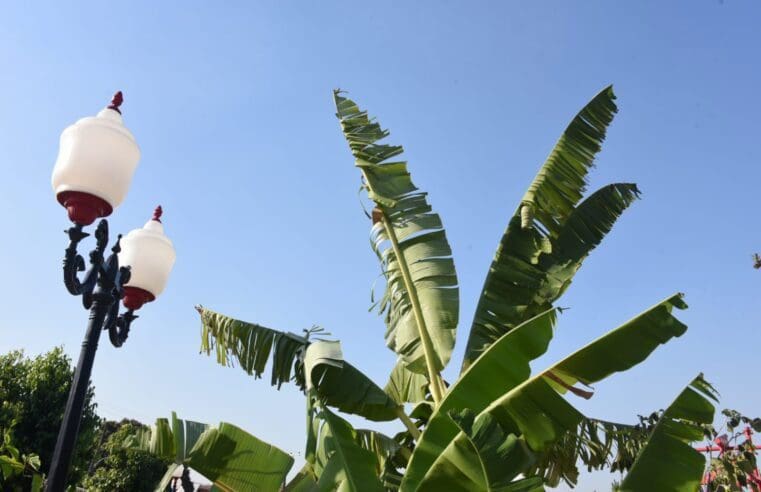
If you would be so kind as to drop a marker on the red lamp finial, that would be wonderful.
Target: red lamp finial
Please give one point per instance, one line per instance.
(157, 214)
(116, 101)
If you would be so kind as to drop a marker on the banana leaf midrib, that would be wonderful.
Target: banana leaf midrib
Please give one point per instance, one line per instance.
(411, 289)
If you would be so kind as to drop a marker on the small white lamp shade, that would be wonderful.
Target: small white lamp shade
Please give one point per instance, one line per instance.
(96, 160)
(150, 255)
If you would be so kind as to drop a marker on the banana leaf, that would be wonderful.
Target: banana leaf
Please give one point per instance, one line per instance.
(421, 300)
(230, 457)
(337, 382)
(341, 385)
(551, 233)
(668, 461)
(405, 386)
(340, 463)
(596, 445)
(304, 481)
(494, 458)
(235, 460)
(250, 345)
(390, 456)
(498, 384)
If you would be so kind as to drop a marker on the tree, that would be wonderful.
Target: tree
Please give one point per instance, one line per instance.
(498, 426)
(33, 392)
(121, 469)
(18, 472)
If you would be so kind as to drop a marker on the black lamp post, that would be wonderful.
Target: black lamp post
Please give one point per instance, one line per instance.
(97, 158)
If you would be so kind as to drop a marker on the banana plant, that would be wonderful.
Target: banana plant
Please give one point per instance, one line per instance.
(499, 426)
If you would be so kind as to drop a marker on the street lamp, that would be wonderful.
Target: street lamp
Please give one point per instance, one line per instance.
(97, 158)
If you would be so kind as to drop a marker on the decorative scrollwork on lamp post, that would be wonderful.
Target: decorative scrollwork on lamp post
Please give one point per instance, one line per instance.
(97, 159)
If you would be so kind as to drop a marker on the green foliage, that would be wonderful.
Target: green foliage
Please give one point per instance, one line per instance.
(668, 461)
(230, 457)
(33, 392)
(421, 300)
(337, 382)
(405, 386)
(532, 407)
(498, 427)
(339, 461)
(737, 464)
(18, 471)
(497, 455)
(549, 236)
(125, 470)
(595, 443)
(250, 345)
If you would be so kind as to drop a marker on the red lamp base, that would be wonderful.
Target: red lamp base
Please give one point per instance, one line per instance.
(84, 208)
(135, 297)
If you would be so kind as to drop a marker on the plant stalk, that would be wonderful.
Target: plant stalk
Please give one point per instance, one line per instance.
(433, 375)
(442, 387)
(408, 423)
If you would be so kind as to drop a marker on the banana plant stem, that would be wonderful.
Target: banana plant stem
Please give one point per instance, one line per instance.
(433, 375)
(408, 423)
(442, 387)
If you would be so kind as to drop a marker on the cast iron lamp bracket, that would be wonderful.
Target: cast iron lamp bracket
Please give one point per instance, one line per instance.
(103, 284)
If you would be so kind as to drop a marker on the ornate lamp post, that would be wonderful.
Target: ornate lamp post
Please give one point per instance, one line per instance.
(97, 158)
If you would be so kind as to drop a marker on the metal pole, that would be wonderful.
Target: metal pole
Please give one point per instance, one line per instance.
(67, 436)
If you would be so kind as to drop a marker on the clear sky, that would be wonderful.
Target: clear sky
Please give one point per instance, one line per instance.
(231, 106)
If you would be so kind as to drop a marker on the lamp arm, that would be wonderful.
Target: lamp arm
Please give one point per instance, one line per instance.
(118, 329)
(73, 263)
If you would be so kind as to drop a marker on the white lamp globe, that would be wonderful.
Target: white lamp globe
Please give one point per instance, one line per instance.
(150, 256)
(96, 160)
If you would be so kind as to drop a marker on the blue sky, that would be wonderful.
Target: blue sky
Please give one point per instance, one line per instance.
(231, 106)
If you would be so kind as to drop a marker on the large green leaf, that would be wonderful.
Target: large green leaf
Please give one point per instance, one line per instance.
(405, 386)
(533, 408)
(668, 461)
(549, 236)
(341, 385)
(250, 345)
(590, 221)
(504, 366)
(561, 181)
(228, 456)
(340, 463)
(494, 458)
(390, 456)
(235, 460)
(338, 383)
(304, 481)
(423, 276)
(160, 440)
